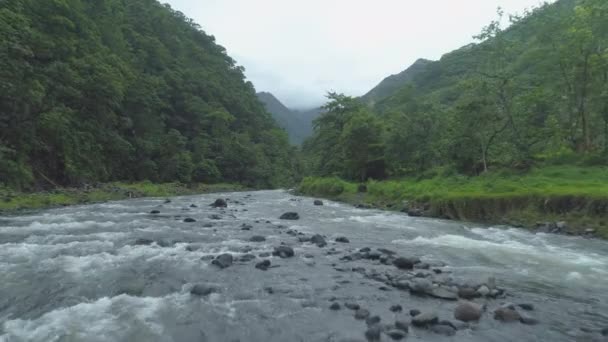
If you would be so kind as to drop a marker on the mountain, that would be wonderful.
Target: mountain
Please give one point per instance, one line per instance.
(391, 84)
(297, 124)
(110, 90)
(531, 94)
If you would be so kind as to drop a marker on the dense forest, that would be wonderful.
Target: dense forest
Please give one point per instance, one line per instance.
(101, 90)
(534, 93)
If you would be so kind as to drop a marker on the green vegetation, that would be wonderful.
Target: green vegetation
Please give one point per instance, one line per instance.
(512, 129)
(11, 200)
(577, 195)
(127, 90)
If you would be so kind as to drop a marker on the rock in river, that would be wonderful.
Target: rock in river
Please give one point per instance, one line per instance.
(318, 240)
(318, 202)
(219, 203)
(362, 314)
(189, 220)
(506, 314)
(396, 334)
(257, 238)
(204, 290)
(373, 333)
(443, 293)
(283, 252)
(342, 239)
(404, 263)
(425, 319)
(263, 265)
(155, 212)
(468, 311)
(223, 260)
(290, 216)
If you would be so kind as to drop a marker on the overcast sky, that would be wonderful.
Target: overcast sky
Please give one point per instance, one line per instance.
(300, 49)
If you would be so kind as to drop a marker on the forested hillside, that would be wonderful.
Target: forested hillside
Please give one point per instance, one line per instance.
(100, 90)
(297, 124)
(533, 94)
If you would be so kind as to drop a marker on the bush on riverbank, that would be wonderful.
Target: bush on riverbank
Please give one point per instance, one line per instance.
(11, 200)
(574, 194)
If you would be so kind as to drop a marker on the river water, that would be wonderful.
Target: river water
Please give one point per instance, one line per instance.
(79, 274)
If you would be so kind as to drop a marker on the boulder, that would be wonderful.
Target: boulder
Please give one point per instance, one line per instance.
(318, 202)
(219, 203)
(372, 320)
(483, 291)
(372, 334)
(203, 290)
(352, 306)
(362, 314)
(263, 265)
(506, 314)
(421, 286)
(425, 319)
(155, 212)
(468, 311)
(342, 239)
(223, 260)
(414, 212)
(396, 308)
(257, 238)
(402, 325)
(396, 334)
(189, 220)
(443, 293)
(335, 306)
(467, 293)
(283, 252)
(318, 240)
(404, 263)
(414, 312)
(290, 216)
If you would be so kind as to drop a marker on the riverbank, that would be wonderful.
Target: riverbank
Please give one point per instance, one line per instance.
(568, 200)
(11, 201)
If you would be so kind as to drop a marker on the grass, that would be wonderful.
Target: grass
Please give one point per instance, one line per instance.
(12, 201)
(577, 195)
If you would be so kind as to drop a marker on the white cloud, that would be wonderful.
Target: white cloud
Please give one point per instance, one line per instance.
(299, 49)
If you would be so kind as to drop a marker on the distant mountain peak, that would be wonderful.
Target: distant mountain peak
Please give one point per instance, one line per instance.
(393, 83)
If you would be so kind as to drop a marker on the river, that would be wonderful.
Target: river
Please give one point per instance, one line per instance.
(81, 274)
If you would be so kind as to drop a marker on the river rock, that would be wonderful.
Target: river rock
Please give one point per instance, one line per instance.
(444, 330)
(318, 240)
(257, 238)
(402, 325)
(283, 252)
(372, 334)
(506, 314)
(219, 203)
(352, 306)
(290, 216)
(373, 320)
(263, 265)
(483, 291)
(443, 293)
(215, 217)
(247, 258)
(421, 286)
(525, 319)
(425, 319)
(204, 290)
(155, 212)
(342, 239)
(223, 260)
(362, 314)
(404, 263)
(396, 308)
(318, 202)
(396, 334)
(467, 293)
(143, 242)
(414, 312)
(189, 220)
(468, 311)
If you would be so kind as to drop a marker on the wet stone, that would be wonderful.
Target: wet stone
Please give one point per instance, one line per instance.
(318, 240)
(526, 306)
(445, 330)
(373, 320)
(215, 217)
(155, 212)
(342, 239)
(220, 203)
(467, 293)
(396, 334)
(414, 312)
(290, 216)
(318, 202)
(189, 220)
(425, 319)
(362, 314)
(506, 314)
(143, 242)
(203, 290)
(257, 238)
(468, 311)
(352, 306)
(223, 260)
(283, 252)
(335, 306)
(525, 319)
(396, 308)
(373, 334)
